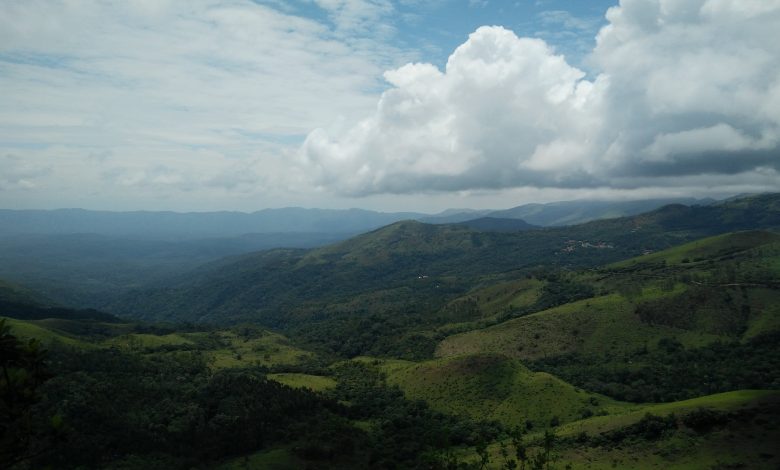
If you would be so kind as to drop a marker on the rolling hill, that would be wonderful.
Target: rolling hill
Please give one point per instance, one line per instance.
(417, 267)
(663, 360)
(677, 292)
(670, 318)
(496, 387)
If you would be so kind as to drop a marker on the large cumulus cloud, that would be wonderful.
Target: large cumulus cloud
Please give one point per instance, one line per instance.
(685, 92)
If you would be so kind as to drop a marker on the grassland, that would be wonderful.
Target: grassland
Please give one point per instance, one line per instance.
(266, 350)
(149, 341)
(317, 383)
(719, 246)
(494, 387)
(48, 336)
(485, 305)
(719, 288)
(603, 324)
(222, 348)
(746, 441)
(729, 401)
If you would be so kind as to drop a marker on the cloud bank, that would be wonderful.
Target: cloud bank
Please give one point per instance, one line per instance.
(686, 93)
(191, 104)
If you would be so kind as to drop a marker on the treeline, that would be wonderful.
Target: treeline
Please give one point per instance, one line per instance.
(671, 372)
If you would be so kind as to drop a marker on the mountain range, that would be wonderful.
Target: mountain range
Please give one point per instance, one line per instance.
(193, 225)
(647, 341)
(413, 266)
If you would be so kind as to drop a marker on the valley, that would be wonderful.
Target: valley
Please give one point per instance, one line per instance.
(651, 343)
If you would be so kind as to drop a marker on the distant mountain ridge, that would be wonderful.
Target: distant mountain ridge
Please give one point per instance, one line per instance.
(556, 214)
(347, 222)
(196, 224)
(495, 224)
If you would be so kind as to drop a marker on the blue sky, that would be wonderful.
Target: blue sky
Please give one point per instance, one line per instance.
(435, 28)
(384, 104)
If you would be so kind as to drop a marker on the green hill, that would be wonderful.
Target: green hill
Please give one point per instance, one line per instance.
(728, 430)
(693, 319)
(48, 336)
(405, 272)
(582, 351)
(717, 288)
(602, 324)
(495, 387)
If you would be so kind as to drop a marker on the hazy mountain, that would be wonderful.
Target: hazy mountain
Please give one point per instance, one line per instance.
(195, 224)
(80, 269)
(494, 224)
(577, 212)
(179, 225)
(453, 216)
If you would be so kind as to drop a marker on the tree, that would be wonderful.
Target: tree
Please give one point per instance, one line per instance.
(23, 372)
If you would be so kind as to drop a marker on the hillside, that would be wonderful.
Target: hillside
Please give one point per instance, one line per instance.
(496, 224)
(623, 362)
(666, 317)
(495, 387)
(416, 268)
(83, 270)
(578, 212)
(741, 265)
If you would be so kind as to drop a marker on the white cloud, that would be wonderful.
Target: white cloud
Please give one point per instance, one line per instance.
(204, 104)
(361, 16)
(206, 89)
(685, 91)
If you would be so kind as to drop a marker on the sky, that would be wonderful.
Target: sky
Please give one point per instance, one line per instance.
(199, 105)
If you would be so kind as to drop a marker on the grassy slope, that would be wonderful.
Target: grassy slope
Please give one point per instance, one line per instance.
(748, 442)
(494, 387)
(148, 341)
(728, 401)
(224, 348)
(485, 304)
(602, 324)
(316, 383)
(609, 323)
(706, 248)
(269, 349)
(30, 329)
